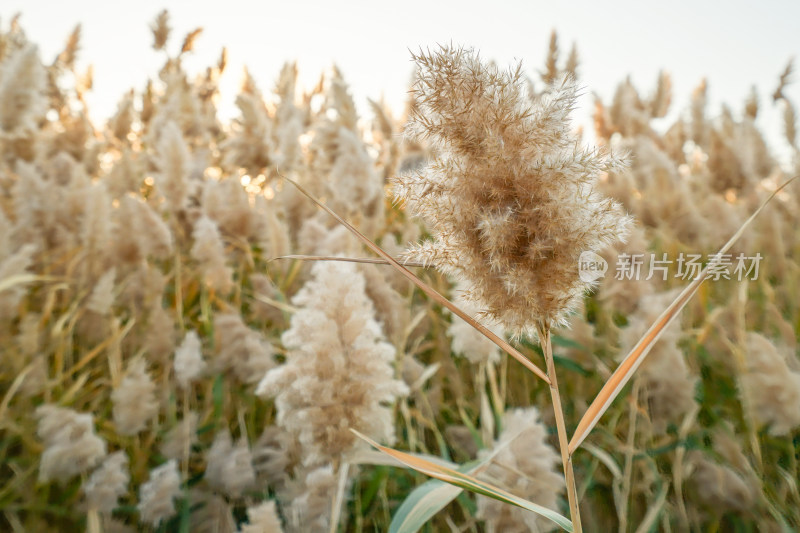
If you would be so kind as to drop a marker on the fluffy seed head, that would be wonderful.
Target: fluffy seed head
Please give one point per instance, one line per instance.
(209, 251)
(134, 401)
(469, 342)
(230, 466)
(110, 481)
(189, 364)
(338, 372)
(71, 446)
(23, 81)
(156, 495)
(510, 197)
(241, 350)
(263, 518)
(773, 387)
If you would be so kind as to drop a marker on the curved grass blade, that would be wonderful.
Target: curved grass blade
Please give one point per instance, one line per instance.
(12, 390)
(438, 298)
(22, 279)
(376, 458)
(625, 370)
(605, 458)
(654, 511)
(338, 498)
(420, 506)
(432, 496)
(465, 481)
(368, 260)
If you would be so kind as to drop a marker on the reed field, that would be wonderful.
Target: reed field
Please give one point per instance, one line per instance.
(468, 316)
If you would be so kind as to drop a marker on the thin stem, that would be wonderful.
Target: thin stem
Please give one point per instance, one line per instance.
(498, 400)
(179, 291)
(187, 444)
(93, 522)
(343, 471)
(487, 415)
(677, 467)
(368, 260)
(627, 477)
(563, 441)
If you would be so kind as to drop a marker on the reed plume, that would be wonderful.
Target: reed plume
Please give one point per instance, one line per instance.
(108, 483)
(510, 197)
(71, 446)
(157, 495)
(338, 373)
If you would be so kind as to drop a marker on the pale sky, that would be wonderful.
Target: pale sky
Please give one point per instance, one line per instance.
(734, 44)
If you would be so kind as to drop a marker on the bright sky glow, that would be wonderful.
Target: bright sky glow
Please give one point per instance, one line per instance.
(734, 44)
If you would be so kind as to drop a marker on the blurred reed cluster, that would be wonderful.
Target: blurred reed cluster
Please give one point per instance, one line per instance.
(162, 369)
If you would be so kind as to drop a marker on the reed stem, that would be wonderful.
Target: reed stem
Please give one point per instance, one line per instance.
(563, 441)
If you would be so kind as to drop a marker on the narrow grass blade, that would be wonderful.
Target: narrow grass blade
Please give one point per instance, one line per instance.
(15, 385)
(422, 504)
(338, 499)
(605, 458)
(654, 511)
(465, 481)
(427, 374)
(22, 279)
(438, 298)
(374, 457)
(625, 370)
(368, 260)
(432, 496)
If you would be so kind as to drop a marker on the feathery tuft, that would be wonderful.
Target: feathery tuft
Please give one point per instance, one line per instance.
(134, 401)
(510, 198)
(338, 373)
(157, 495)
(71, 446)
(108, 483)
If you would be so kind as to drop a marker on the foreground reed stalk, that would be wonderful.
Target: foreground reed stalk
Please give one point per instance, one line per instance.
(563, 441)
